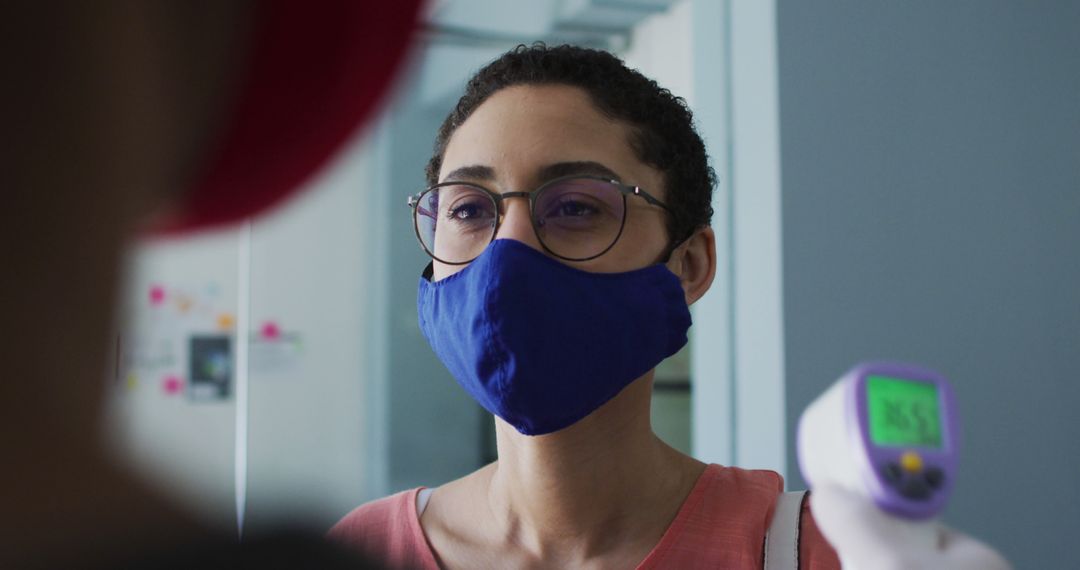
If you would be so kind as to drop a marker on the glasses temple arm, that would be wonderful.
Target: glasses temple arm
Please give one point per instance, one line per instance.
(414, 202)
(637, 191)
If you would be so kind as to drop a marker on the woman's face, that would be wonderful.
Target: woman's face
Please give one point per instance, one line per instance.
(523, 136)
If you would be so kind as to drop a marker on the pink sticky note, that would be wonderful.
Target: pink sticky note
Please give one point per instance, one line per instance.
(172, 385)
(157, 295)
(270, 331)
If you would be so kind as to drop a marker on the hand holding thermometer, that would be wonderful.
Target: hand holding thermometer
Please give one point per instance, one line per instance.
(888, 432)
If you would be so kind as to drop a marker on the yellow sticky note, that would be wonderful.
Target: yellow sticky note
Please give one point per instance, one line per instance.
(225, 321)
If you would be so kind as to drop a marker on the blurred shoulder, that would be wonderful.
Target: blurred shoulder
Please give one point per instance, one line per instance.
(384, 515)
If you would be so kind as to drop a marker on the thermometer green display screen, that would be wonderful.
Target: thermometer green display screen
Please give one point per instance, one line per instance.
(903, 412)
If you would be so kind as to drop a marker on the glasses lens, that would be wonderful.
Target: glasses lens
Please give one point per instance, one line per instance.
(455, 222)
(579, 218)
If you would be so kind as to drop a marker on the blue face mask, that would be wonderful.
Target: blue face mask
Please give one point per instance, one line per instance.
(542, 344)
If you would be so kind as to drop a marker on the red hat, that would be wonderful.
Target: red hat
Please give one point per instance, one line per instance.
(318, 70)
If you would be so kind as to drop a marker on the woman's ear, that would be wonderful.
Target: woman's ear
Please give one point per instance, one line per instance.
(694, 261)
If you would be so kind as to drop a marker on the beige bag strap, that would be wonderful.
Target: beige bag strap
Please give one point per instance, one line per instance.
(782, 539)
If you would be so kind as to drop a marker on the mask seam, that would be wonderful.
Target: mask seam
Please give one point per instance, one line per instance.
(501, 380)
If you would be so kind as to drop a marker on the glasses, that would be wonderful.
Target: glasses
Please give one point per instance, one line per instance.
(576, 218)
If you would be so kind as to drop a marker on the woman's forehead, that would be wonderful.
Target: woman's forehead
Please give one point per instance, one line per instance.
(520, 129)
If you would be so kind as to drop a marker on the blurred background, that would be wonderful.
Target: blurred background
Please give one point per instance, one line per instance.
(897, 181)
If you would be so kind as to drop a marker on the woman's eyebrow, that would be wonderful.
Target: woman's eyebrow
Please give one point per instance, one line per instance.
(549, 172)
(580, 168)
(471, 172)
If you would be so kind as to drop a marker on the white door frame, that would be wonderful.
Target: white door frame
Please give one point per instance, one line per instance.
(738, 355)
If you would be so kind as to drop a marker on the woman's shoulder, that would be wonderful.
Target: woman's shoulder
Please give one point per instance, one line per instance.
(375, 514)
(755, 492)
(726, 497)
(753, 489)
(724, 520)
(386, 529)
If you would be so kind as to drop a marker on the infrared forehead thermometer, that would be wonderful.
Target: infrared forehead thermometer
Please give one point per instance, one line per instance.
(887, 431)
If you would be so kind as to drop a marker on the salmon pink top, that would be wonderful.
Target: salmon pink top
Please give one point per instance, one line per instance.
(721, 524)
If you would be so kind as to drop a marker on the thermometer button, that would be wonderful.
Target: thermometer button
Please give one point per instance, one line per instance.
(934, 477)
(911, 462)
(916, 489)
(893, 474)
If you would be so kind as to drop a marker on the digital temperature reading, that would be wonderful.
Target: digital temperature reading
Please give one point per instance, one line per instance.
(903, 412)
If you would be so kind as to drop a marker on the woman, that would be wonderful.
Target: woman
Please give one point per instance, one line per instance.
(568, 222)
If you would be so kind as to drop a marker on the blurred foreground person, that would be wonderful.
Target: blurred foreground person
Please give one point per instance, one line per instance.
(114, 113)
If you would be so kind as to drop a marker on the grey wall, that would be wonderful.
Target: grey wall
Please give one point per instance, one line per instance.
(931, 210)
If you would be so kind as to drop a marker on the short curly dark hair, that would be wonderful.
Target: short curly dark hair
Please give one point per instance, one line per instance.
(664, 134)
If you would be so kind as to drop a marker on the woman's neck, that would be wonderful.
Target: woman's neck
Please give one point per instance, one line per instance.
(605, 481)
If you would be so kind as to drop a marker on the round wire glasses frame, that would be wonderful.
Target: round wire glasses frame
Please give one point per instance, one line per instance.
(415, 204)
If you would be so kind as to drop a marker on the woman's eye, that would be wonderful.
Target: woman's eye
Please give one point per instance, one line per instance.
(466, 212)
(572, 208)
